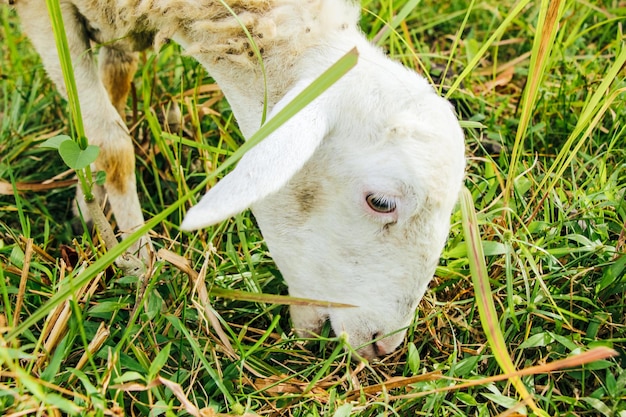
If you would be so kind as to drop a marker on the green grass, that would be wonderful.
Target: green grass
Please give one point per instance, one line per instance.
(544, 117)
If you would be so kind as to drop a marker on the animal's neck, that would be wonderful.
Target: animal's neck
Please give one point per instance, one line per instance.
(283, 32)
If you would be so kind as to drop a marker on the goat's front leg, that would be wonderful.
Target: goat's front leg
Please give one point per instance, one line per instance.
(103, 125)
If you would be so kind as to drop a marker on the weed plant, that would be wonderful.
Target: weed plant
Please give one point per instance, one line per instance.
(540, 89)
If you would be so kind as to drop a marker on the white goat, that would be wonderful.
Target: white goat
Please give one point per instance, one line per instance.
(353, 194)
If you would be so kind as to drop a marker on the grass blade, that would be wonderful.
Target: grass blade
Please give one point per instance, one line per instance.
(497, 34)
(484, 301)
(547, 28)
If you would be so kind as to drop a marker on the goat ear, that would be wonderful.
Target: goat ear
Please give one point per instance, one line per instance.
(263, 170)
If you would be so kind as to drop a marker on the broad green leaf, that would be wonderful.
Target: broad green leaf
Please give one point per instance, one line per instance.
(17, 256)
(55, 142)
(154, 305)
(77, 158)
(564, 341)
(598, 365)
(128, 362)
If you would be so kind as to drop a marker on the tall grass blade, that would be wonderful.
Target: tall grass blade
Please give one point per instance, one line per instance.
(547, 27)
(482, 293)
(390, 27)
(590, 117)
(84, 174)
(56, 18)
(497, 34)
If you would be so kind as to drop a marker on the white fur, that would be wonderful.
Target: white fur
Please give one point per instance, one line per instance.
(380, 129)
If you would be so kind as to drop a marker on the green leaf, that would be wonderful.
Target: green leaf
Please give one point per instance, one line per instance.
(612, 274)
(489, 249)
(537, 340)
(44, 397)
(17, 256)
(343, 411)
(598, 405)
(55, 142)
(413, 359)
(464, 367)
(55, 362)
(598, 365)
(466, 398)
(63, 404)
(107, 307)
(159, 408)
(611, 384)
(129, 376)
(128, 362)
(101, 177)
(18, 354)
(77, 158)
(90, 389)
(154, 305)
(564, 341)
(502, 400)
(159, 361)
(62, 46)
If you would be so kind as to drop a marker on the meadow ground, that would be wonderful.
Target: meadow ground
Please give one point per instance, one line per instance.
(540, 88)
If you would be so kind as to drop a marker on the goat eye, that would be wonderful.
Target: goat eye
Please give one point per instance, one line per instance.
(380, 204)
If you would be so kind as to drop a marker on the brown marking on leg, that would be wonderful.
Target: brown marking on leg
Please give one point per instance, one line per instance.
(117, 68)
(118, 162)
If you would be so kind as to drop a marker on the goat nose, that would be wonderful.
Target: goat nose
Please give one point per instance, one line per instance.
(379, 346)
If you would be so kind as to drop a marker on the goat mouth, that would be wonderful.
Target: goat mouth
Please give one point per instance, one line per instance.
(376, 347)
